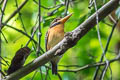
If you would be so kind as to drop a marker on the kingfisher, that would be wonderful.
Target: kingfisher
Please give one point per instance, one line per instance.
(53, 36)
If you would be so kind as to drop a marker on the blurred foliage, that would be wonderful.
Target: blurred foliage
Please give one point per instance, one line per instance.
(86, 51)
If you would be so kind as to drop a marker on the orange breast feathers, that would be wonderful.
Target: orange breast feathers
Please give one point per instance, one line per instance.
(55, 35)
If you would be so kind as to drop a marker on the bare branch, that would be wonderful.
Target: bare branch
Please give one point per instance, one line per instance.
(67, 5)
(54, 11)
(1, 19)
(39, 30)
(34, 75)
(4, 60)
(20, 32)
(98, 30)
(104, 70)
(15, 12)
(20, 16)
(34, 30)
(106, 48)
(60, 78)
(90, 66)
(48, 8)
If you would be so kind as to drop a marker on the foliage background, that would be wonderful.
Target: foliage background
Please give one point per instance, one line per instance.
(87, 50)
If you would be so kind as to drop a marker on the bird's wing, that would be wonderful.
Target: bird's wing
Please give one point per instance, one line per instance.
(46, 40)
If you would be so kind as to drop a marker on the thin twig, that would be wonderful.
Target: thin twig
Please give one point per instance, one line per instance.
(48, 8)
(55, 10)
(34, 75)
(113, 20)
(69, 65)
(4, 60)
(90, 3)
(97, 21)
(39, 30)
(1, 19)
(32, 35)
(60, 78)
(110, 72)
(106, 48)
(67, 5)
(2, 73)
(20, 16)
(20, 32)
(41, 73)
(2, 63)
(4, 37)
(104, 70)
(47, 69)
(90, 65)
(47, 73)
(98, 33)
(2, 10)
(34, 31)
(15, 12)
(39, 36)
(107, 23)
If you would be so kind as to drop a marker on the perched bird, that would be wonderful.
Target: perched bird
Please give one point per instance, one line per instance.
(19, 59)
(53, 36)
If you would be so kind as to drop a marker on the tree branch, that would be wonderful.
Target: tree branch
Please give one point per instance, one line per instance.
(1, 20)
(91, 65)
(15, 12)
(69, 41)
(18, 30)
(104, 52)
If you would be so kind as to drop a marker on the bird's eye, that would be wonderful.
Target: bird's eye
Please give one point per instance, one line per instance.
(56, 20)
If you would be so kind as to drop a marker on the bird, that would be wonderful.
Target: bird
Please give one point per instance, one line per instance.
(18, 60)
(53, 36)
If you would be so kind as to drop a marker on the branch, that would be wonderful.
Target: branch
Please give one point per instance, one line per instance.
(23, 26)
(69, 41)
(1, 19)
(67, 5)
(39, 30)
(39, 36)
(15, 12)
(48, 8)
(106, 48)
(20, 31)
(90, 66)
(54, 11)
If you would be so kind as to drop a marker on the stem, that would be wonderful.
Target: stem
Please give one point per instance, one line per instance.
(1, 19)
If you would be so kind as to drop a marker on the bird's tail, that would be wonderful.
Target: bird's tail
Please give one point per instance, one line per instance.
(54, 68)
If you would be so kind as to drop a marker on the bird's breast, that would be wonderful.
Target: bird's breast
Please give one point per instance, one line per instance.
(56, 34)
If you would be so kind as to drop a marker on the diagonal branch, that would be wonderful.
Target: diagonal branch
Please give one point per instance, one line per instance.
(69, 41)
(106, 48)
(22, 32)
(23, 26)
(91, 65)
(15, 12)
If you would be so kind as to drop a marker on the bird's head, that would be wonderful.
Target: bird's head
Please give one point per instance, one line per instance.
(58, 21)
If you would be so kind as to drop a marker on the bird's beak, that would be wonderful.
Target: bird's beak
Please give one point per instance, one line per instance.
(63, 20)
